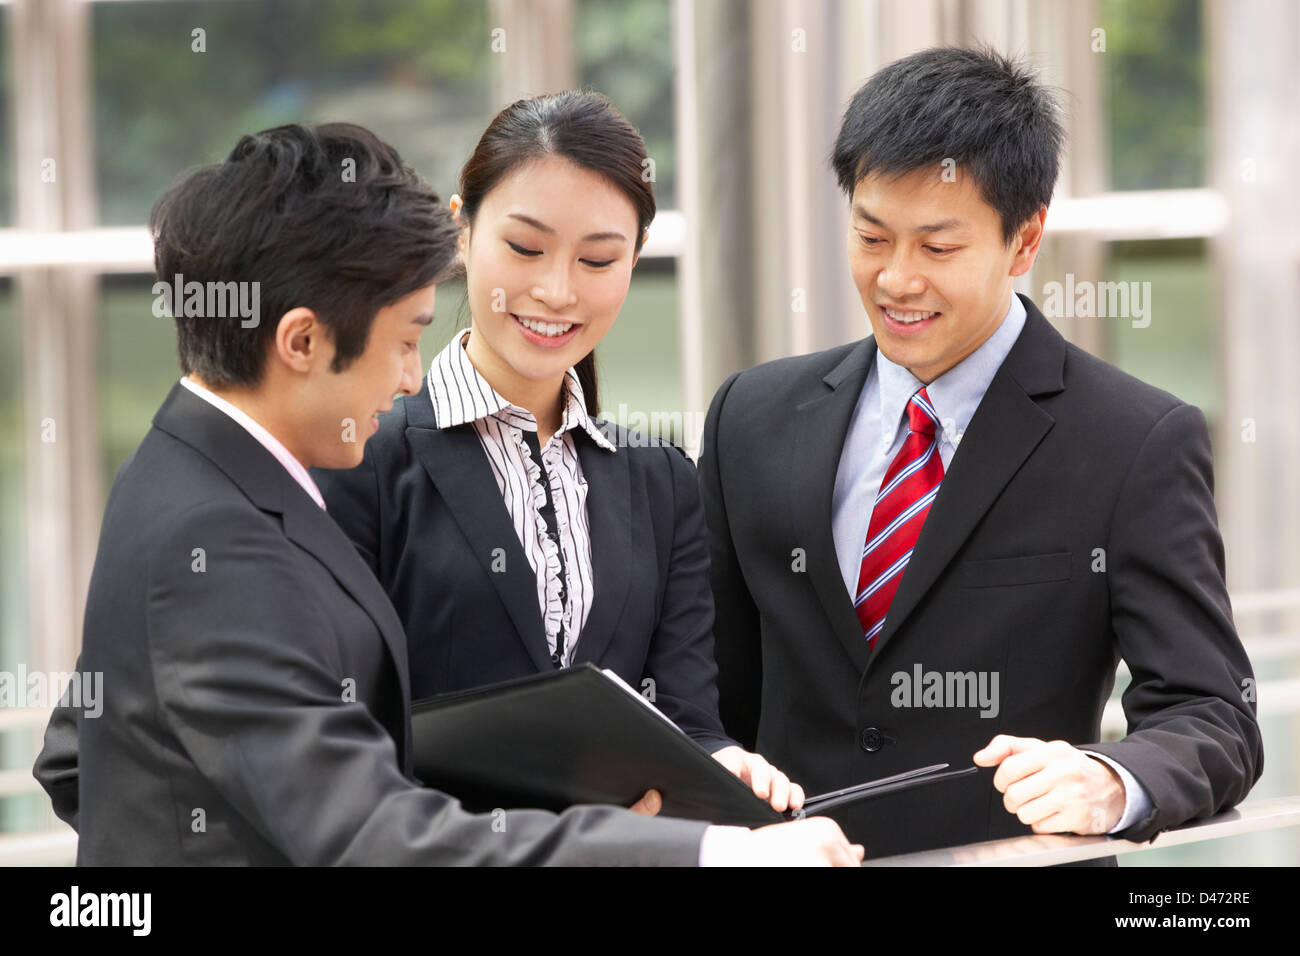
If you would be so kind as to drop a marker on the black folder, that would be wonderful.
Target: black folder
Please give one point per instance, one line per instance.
(581, 735)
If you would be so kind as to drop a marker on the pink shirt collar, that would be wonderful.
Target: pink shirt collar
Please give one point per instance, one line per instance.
(269, 441)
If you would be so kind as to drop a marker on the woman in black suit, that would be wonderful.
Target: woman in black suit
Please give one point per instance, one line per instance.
(514, 531)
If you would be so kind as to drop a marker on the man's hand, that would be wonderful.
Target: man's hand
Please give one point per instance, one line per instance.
(817, 841)
(766, 781)
(1054, 787)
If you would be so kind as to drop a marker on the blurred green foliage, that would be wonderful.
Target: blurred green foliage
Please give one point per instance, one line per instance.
(625, 50)
(1154, 86)
(416, 73)
(1178, 351)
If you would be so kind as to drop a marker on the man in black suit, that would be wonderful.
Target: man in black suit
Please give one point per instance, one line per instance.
(256, 706)
(934, 545)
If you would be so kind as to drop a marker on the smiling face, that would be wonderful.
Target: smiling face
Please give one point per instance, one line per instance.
(389, 365)
(548, 260)
(930, 265)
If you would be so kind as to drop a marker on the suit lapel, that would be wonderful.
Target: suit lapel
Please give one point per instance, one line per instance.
(820, 426)
(313, 530)
(455, 463)
(1004, 431)
(609, 519)
(268, 486)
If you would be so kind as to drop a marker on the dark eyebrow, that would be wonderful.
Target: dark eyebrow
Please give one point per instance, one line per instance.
(424, 318)
(861, 213)
(593, 237)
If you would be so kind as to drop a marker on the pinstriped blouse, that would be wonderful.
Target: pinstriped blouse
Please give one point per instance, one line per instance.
(562, 564)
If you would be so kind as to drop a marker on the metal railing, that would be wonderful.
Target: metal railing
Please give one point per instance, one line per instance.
(1049, 849)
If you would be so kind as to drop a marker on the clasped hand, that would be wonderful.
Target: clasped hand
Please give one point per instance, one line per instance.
(1053, 786)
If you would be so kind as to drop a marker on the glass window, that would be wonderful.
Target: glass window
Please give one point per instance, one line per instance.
(450, 315)
(137, 366)
(625, 50)
(418, 74)
(6, 123)
(16, 812)
(1154, 85)
(638, 361)
(1173, 346)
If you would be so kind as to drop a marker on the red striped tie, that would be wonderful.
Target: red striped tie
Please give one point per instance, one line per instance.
(905, 496)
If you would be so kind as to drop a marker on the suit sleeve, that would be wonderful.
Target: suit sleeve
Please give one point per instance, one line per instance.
(681, 650)
(56, 764)
(252, 689)
(736, 635)
(1193, 738)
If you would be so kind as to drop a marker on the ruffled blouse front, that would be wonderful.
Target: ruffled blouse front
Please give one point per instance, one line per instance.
(566, 484)
(561, 560)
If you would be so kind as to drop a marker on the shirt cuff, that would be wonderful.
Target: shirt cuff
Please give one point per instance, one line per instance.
(725, 846)
(1137, 802)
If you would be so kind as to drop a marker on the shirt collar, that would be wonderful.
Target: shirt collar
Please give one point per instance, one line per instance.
(955, 394)
(267, 440)
(461, 395)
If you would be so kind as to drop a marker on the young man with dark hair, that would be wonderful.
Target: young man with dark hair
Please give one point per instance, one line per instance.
(256, 706)
(990, 517)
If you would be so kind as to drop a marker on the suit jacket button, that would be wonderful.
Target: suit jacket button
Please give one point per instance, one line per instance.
(871, 739)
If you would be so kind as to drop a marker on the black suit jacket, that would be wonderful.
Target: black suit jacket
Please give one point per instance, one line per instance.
(256, 701)
(424, 511)
(1066, 462)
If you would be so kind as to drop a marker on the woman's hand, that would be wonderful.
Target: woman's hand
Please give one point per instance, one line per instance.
(767, 782)
(649, 805)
